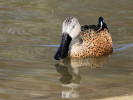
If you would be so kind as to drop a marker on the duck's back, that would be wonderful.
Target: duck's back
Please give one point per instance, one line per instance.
(97, 41)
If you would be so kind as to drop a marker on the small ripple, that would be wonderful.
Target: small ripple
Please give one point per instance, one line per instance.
(49, 45)
(123, 47)
(45, 45)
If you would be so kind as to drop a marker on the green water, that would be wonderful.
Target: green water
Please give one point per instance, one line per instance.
(30, 32)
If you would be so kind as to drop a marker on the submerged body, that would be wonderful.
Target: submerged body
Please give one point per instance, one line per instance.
(85, 41)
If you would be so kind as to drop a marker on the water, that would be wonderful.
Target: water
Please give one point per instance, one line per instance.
(30, 32)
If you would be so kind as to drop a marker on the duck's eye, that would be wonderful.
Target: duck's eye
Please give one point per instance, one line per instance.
(73, 27)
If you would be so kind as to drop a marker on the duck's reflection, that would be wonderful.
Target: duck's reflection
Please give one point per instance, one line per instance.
(69, 69)
(70, 81)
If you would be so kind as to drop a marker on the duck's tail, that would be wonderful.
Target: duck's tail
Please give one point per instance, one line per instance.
(102, 24)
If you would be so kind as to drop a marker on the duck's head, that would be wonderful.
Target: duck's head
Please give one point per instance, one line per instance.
(70, 30)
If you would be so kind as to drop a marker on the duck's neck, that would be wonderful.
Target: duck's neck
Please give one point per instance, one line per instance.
(75, 46)
(77, 40)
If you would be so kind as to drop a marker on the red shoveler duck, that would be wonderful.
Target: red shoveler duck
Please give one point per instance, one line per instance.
(84, 41)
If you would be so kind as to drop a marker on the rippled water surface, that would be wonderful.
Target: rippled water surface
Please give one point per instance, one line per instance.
(30, 32)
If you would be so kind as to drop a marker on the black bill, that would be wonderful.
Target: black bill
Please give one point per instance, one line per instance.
(63, 49)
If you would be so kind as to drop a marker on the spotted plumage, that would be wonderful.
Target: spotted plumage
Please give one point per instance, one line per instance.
(93, 44)
(86, 41)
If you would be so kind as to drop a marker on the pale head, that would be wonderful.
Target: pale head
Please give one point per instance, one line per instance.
(70, 30)
(71, 27)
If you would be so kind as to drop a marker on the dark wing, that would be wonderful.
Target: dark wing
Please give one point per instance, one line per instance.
(89, 27)
(100, 26)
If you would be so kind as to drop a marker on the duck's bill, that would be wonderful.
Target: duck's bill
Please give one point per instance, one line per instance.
(62, 51)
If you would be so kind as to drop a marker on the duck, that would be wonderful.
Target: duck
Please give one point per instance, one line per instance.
(84, 41)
